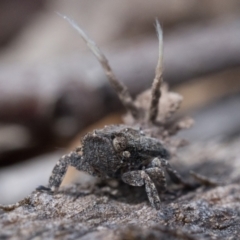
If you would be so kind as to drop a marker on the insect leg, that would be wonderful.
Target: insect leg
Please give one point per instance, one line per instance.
(58, 172)
(157, 81)
(173, 174)
(139, 178)
(157, 175)
(118, 86)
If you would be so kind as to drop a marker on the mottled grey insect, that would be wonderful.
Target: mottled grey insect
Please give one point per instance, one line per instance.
(120, 151)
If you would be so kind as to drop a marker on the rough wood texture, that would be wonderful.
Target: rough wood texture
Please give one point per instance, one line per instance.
(122, 212)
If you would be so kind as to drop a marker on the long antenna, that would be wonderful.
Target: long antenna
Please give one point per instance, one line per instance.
(119, 87)
(157, 82)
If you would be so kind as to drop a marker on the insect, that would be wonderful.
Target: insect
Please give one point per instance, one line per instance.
(123, 152)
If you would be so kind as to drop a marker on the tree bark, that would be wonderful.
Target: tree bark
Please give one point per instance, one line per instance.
(122, 212)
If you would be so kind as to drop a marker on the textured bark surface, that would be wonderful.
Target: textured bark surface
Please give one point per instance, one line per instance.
(101, 211)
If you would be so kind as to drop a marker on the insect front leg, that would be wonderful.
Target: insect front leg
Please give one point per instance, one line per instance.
(157, 175)
(60, 169)
(139, 178)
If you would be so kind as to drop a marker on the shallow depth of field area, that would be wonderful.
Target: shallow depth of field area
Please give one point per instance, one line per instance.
(53, 91)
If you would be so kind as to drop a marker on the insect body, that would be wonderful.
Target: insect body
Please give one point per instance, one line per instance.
(115, 150)
(121, 151)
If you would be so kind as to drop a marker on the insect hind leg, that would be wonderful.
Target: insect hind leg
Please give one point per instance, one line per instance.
(120, 88)
(157, 82)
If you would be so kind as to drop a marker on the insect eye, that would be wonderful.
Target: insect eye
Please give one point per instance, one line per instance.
(126, 154)
(119, 143)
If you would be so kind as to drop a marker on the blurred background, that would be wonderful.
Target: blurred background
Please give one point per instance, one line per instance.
(53, 90)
